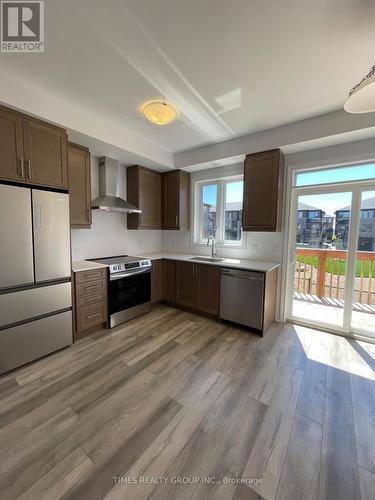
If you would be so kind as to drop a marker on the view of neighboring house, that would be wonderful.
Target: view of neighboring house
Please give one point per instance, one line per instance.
(314, 227)
(318, 230)
(209, 221)
(233, 220)
(366, 237)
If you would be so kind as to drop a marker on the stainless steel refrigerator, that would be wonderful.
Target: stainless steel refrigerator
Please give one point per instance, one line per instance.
(35, 271)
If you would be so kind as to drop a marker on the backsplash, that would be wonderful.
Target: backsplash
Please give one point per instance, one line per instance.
(258, 246)
(108, 236)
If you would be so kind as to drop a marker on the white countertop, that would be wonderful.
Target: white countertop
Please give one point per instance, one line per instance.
(251, 265)
(85, 265)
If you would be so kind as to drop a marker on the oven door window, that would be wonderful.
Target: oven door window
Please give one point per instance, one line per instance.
(129, 292)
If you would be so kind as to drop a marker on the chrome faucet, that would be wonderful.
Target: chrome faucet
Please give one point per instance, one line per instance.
(213, 245)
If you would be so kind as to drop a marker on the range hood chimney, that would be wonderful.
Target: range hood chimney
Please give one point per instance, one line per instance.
(109, 199)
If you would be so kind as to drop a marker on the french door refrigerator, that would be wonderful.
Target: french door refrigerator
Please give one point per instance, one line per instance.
(35, 270)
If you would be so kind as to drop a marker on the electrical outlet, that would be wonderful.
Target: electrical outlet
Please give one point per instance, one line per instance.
(254, 247)
(275, 250)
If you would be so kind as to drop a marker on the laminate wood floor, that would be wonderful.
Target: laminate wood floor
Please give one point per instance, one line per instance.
(175, 406)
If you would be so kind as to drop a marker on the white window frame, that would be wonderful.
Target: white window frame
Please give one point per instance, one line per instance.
(220, 209)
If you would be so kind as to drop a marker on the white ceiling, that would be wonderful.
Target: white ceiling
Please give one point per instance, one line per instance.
(231, 67)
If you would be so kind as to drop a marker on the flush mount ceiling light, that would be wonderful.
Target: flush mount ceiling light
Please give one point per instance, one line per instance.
(159, 112)
(362, 96)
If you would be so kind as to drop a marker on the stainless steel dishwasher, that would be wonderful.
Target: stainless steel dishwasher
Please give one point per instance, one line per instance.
(241, 297)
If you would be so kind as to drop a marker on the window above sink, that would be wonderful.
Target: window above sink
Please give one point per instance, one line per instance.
(218, 211)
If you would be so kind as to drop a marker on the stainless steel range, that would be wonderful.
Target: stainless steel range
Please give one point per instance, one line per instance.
(129, 287)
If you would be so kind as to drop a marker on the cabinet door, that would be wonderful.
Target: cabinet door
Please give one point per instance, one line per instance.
(171, 200)
(150, 198)
(79, 186)
(263, 181)
(169, 280)
(144, 191)
(45, 154)
(157, 281)
(11, 146)
(185, 284)
(208, 288)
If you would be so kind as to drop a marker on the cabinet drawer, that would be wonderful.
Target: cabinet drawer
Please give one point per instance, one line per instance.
(91, 315)
(90, 287)
(91, 275)
(92, 298)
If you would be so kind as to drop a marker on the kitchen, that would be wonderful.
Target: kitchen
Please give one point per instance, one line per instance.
(163, 331)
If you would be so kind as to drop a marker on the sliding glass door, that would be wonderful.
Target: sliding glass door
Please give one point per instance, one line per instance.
(363, 308)
(331, 269)
(321, 256)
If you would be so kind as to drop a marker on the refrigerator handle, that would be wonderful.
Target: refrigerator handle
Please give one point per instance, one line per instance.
(37, 216)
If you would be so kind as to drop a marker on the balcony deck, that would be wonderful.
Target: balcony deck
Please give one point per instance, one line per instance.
(330, 311)
(319, 289)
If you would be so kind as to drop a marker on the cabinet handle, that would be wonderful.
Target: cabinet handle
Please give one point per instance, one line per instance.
(29, 170)
(94, 315)
(176, 220)
(22, 173)
(93, 298)
(91, 287)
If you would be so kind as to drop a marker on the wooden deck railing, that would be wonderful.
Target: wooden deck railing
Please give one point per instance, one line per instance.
(330, 279)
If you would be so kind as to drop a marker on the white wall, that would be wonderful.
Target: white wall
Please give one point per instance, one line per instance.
(108, 234)
(258, 246)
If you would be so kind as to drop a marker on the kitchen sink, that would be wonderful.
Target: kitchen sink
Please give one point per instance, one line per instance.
(208, 259)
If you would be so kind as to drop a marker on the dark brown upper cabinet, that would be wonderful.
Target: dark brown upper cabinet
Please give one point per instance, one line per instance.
(175, 200)
(11, 146)
(263, 191)
(144, 192)
(79, 174)
(45, 148)
(32, 151)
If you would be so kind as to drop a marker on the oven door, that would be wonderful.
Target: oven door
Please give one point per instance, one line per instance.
(127, 291)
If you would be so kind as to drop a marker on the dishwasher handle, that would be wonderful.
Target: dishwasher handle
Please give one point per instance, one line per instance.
(248, 275)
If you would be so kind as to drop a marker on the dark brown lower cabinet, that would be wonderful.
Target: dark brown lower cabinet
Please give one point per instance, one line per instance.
(185, 284)
(208, 289)
(90, 300)
(169, 280)
(157, 281)
(198, 287)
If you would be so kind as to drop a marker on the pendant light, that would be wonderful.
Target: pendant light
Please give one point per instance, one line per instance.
(362, 96)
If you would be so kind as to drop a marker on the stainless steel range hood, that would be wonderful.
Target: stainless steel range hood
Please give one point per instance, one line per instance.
(109, 199)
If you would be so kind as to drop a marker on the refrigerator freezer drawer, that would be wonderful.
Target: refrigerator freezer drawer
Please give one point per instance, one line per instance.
(51, 235)
(21, 344)
(16, 249)
(28, 304)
